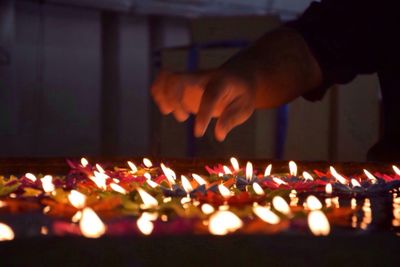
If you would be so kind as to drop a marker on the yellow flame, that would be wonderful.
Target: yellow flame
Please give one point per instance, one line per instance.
(151, 183)
(224, 222)
(258, 189)
(199, 179)
(148, 200)
(31, 176)
(6, 233)
(266, 215)
(370, 176)
(313, 203)
(145, 224)
(207, 208)
(99, 179)
(355, 183)
(186, 184)
(226, 169)
(118, 188)
(47, 183)
(44, 230)
(77, 217)
(147, 175)
(84, 162)
(147, 163)
(77, 199)
(2, 204)
(91, 225)
(100, 169)
(278, 181)
(268, 170)
(235, 164)
(318, 223)
(396, 169)
(169, 174)
(307, 176)
(293, 168)
(224, 191)
(337, 176)
(249, 171)
(328, 189)
(353, 203)
(132, 166)
(281, 205)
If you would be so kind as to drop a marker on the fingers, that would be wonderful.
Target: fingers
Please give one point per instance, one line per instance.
(214, 92)
(236, 113)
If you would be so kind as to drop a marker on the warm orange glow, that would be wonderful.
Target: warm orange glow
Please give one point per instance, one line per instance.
(293, 168)
(147, 163)
(268, 170)
(353, 203)
(355, 183)
(328, 189)
(6, 233)
(235, 164)
(145, 224)
(148, 200)
(91, 225)
(318, 223)
(278, 181)
(224, 222)
(207, 208)
(30, 176)
(307, 176)
(337, 176)
(77, 199)
(77, 217)
(186, 184)
(396, 169)
(226, 170)
(258, 189)
(266, 215)
(313, 203)
(281, 205)
(370, 177)
(47, 183)
(132, 166)
(169, 174)
(199, 179)
(118, 188)
(224, 191)
(249, 171)
(100, 169)
(99, 179)
(84, 162)
(2, 204)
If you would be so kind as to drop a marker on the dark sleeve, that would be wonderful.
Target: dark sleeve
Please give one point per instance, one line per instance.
(347, 37)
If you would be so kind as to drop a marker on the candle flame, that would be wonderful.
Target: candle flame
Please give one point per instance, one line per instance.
(328, 189)
(293, 168)
(281, 205)
(147, 163)
(224, 191)
(278, 181)
(337, 176)
(268, 170)
(151, 183)
(6, 233)
(307, 176)
(370, 176)
(318, 223)
(84, 162)
(207, 209)
(91, 225)
(77, 199)
(133, 167)
(355, 183)
(396, 169)
(100, 169)
(199, 179)
(148, 200)
(77, 217)
(186, 184)
(169, 174)
(353, 203)
(118, 188)
(99, 179)
(235, 164)
(145, 224)
(47, 183)
(249, 171)
(258, 189)
(266, 215)
(30, 176)
(226, 169)
(223, 222)
(147, 175)
(313, 203)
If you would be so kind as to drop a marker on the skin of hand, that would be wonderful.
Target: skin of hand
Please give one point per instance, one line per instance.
(273, 71)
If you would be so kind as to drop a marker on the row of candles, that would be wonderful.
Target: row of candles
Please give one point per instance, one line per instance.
(221, 220)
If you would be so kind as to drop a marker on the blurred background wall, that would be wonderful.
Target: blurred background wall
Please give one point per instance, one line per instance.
(74, 79)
